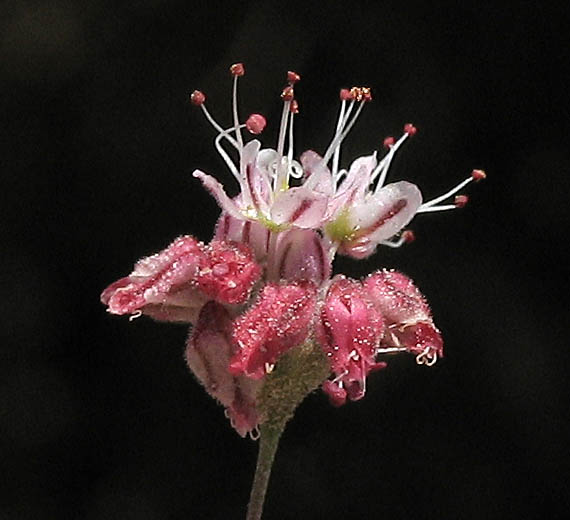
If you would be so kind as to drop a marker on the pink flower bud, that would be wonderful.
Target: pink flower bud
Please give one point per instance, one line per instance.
(228, 272)
(279, 320)
(407, 315)
(161, 285)
(301, 255)
(349, 331)
(208, 353)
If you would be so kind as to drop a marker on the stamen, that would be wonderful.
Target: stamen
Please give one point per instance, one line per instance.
(388, 142)
(339, 377)
(384, 165)
(234, 104)
(390, 350)
(405, 238)
(461, 201)
(224, 134)
(340, 137)
(281, 179)
(218, 127)
(428, 206)
(343, 93)
(428, 357)
(293, 77)
(237, 69)
(255, 123)
(197, 98)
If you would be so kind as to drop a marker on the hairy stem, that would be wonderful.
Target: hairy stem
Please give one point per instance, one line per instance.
(267, 447)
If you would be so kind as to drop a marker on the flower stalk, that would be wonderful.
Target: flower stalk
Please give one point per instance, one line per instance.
(268, 443)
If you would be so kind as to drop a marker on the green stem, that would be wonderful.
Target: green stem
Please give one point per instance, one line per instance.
(268, 443)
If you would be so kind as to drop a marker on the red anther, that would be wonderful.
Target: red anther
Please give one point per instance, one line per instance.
(288, 93)
(410, 129)
(345, 94)
(255, 123)
(478, 175)
(408, 236)
(389, 141)
(356, 93)
(366, 94)
(292, 77)
(197, 98)
(461, 201)
(294, 107)
(237, 69)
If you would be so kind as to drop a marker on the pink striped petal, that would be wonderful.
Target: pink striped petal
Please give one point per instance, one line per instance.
(217, 191)
(301, 255)
(247, 232)
(317, 174)
(299, 207)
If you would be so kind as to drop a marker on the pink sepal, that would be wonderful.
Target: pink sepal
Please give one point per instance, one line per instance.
(279, 320)
(208, 352)
(301, 255)
(247, 232)
(406, 311)
(160, 285)
(349, 331)
(227, 272)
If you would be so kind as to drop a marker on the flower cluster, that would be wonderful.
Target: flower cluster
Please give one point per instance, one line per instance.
(263, 285)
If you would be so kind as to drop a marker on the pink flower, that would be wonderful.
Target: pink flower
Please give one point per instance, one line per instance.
(262, 287)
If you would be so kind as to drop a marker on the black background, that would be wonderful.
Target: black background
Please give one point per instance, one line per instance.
(99, 418)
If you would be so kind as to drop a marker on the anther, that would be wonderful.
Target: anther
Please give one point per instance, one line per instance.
(356, 93)
(197, 98)
(292, 77)
(345, 94)
(255, 123)
(461, 201)
(294, 107)
(408, 236)
(410, 129)
(237, 69)
(288, 93)
(478, 175)
(388, 142)
(366, 94)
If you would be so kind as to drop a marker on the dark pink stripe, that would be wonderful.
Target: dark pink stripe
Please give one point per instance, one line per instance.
(398, 206)
(303, 207)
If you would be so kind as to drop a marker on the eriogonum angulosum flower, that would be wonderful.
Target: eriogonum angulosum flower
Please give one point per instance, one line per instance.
(262, 288)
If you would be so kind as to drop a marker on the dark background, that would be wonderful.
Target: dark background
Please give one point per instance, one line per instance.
(99, 418)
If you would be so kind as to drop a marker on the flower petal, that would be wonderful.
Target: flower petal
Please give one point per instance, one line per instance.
(301, 255)
(208, 352)
(247, 232)
(228, 272)
(160, 285)
(217, 191)
(349, 332)
(317, 174)
(299, 207)
(380, 217)
(279, 320)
